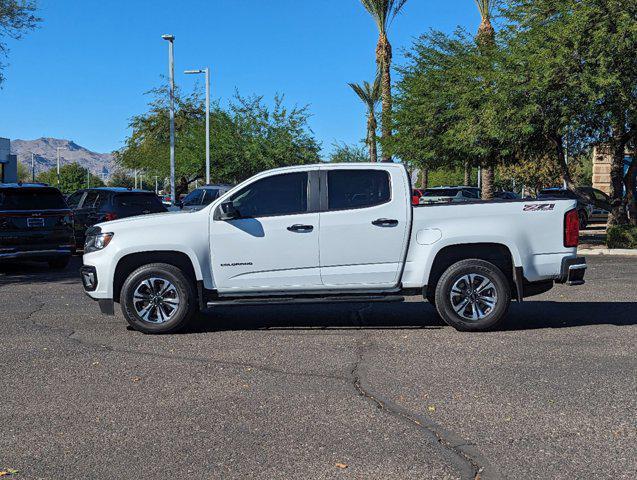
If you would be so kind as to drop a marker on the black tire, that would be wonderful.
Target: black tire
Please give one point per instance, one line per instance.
(492, 315)
(583, 219)
(59, 263)
(185, 295)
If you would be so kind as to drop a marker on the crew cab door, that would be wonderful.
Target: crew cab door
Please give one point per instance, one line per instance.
(272, 244)
(365, 217)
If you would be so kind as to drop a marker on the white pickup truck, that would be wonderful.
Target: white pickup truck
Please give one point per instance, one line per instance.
(327, 233)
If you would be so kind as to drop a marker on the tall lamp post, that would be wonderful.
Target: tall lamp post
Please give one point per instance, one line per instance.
(58, 168)
(171, 73)
(207, 72)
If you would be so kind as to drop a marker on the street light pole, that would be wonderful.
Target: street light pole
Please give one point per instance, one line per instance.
(171, 74)
(32, 167)
(207, 72)
(58, 169)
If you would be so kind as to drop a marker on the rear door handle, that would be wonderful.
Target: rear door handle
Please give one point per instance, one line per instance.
(300, 228)
(385, 222)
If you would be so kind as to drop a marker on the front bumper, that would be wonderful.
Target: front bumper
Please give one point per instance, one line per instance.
(572, 271)
(88, 274)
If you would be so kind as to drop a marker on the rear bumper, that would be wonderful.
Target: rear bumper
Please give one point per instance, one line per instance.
(573, 270)
(16, 254)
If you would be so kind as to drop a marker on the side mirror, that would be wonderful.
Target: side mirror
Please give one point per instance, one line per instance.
(228, 211)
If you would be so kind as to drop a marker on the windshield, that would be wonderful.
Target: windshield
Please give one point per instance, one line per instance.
(441, 192)
(556, 194)
(31, 199)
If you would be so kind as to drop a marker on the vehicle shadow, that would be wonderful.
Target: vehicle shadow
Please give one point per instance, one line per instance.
(39, 272)
(530, 315)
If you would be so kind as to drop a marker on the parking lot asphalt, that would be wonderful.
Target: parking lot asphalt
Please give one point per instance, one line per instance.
(341, 391)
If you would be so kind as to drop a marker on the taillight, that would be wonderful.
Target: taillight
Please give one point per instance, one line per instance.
(571, 228)
(110, 216)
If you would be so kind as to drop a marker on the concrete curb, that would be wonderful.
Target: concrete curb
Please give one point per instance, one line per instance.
(626, 252)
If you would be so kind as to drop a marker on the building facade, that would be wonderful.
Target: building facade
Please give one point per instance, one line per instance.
(8, 163)
(602, 159)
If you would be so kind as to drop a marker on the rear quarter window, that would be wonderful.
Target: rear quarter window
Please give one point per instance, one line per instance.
(31, 199)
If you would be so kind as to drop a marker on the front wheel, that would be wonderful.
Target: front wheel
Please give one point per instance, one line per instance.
(473, 295)
(158, 298)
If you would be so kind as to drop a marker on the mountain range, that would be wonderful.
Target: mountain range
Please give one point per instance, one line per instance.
(45, 150)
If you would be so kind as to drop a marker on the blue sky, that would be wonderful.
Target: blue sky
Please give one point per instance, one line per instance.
(84, 72)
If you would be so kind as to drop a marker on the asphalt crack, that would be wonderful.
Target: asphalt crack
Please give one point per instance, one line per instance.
(465, 456)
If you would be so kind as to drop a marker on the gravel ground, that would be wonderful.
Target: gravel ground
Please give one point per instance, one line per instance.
(352, 390)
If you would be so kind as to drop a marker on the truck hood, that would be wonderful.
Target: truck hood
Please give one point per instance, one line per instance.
(144, 221)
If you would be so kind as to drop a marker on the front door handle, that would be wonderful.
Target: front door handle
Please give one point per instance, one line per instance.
(385, 222)
(300, 228)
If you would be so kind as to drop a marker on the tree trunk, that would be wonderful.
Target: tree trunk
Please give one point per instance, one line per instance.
(488, 182)
(618, 208)
(467, 173)
(371, 138)
(424, 178)
(383, 60)
(629, 182)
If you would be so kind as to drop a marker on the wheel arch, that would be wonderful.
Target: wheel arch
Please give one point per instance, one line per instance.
(128, 263)
(498, 254)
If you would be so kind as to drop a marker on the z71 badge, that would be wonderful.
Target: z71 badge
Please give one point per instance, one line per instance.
(539, 207)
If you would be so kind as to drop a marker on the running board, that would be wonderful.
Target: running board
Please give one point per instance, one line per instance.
(297, 300)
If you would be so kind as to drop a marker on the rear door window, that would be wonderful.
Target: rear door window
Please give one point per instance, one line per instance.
(31, 199)
(138, 203)
(349, 189)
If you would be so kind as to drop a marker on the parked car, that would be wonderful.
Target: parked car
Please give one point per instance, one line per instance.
(202, 196)
(504, 195)
(449, 194)
(596, 213)
(94, 205)
(35, 224)
(328, 233)
(584, 209)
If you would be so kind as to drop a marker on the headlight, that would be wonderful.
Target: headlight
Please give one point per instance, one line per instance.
(97, 242)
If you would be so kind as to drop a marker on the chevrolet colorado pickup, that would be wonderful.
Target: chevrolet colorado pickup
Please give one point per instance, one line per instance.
(327, 233)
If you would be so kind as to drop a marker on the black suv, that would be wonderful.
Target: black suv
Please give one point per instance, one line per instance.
(35, 224)
(95, 205)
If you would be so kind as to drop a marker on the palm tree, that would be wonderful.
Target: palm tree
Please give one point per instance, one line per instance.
(486, 38)
(383, 12)
(370, 95)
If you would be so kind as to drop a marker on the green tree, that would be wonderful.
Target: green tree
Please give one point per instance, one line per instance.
(452, 109)
(16, 18)
(383, 12)
(344, 153)
(120, 178)
(24, 173)
(73, 177)
(245, 139)
(577, 76)
(370, 96)
(486, 43)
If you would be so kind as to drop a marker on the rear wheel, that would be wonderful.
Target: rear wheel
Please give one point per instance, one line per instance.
(158, 298)
(473, 295)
